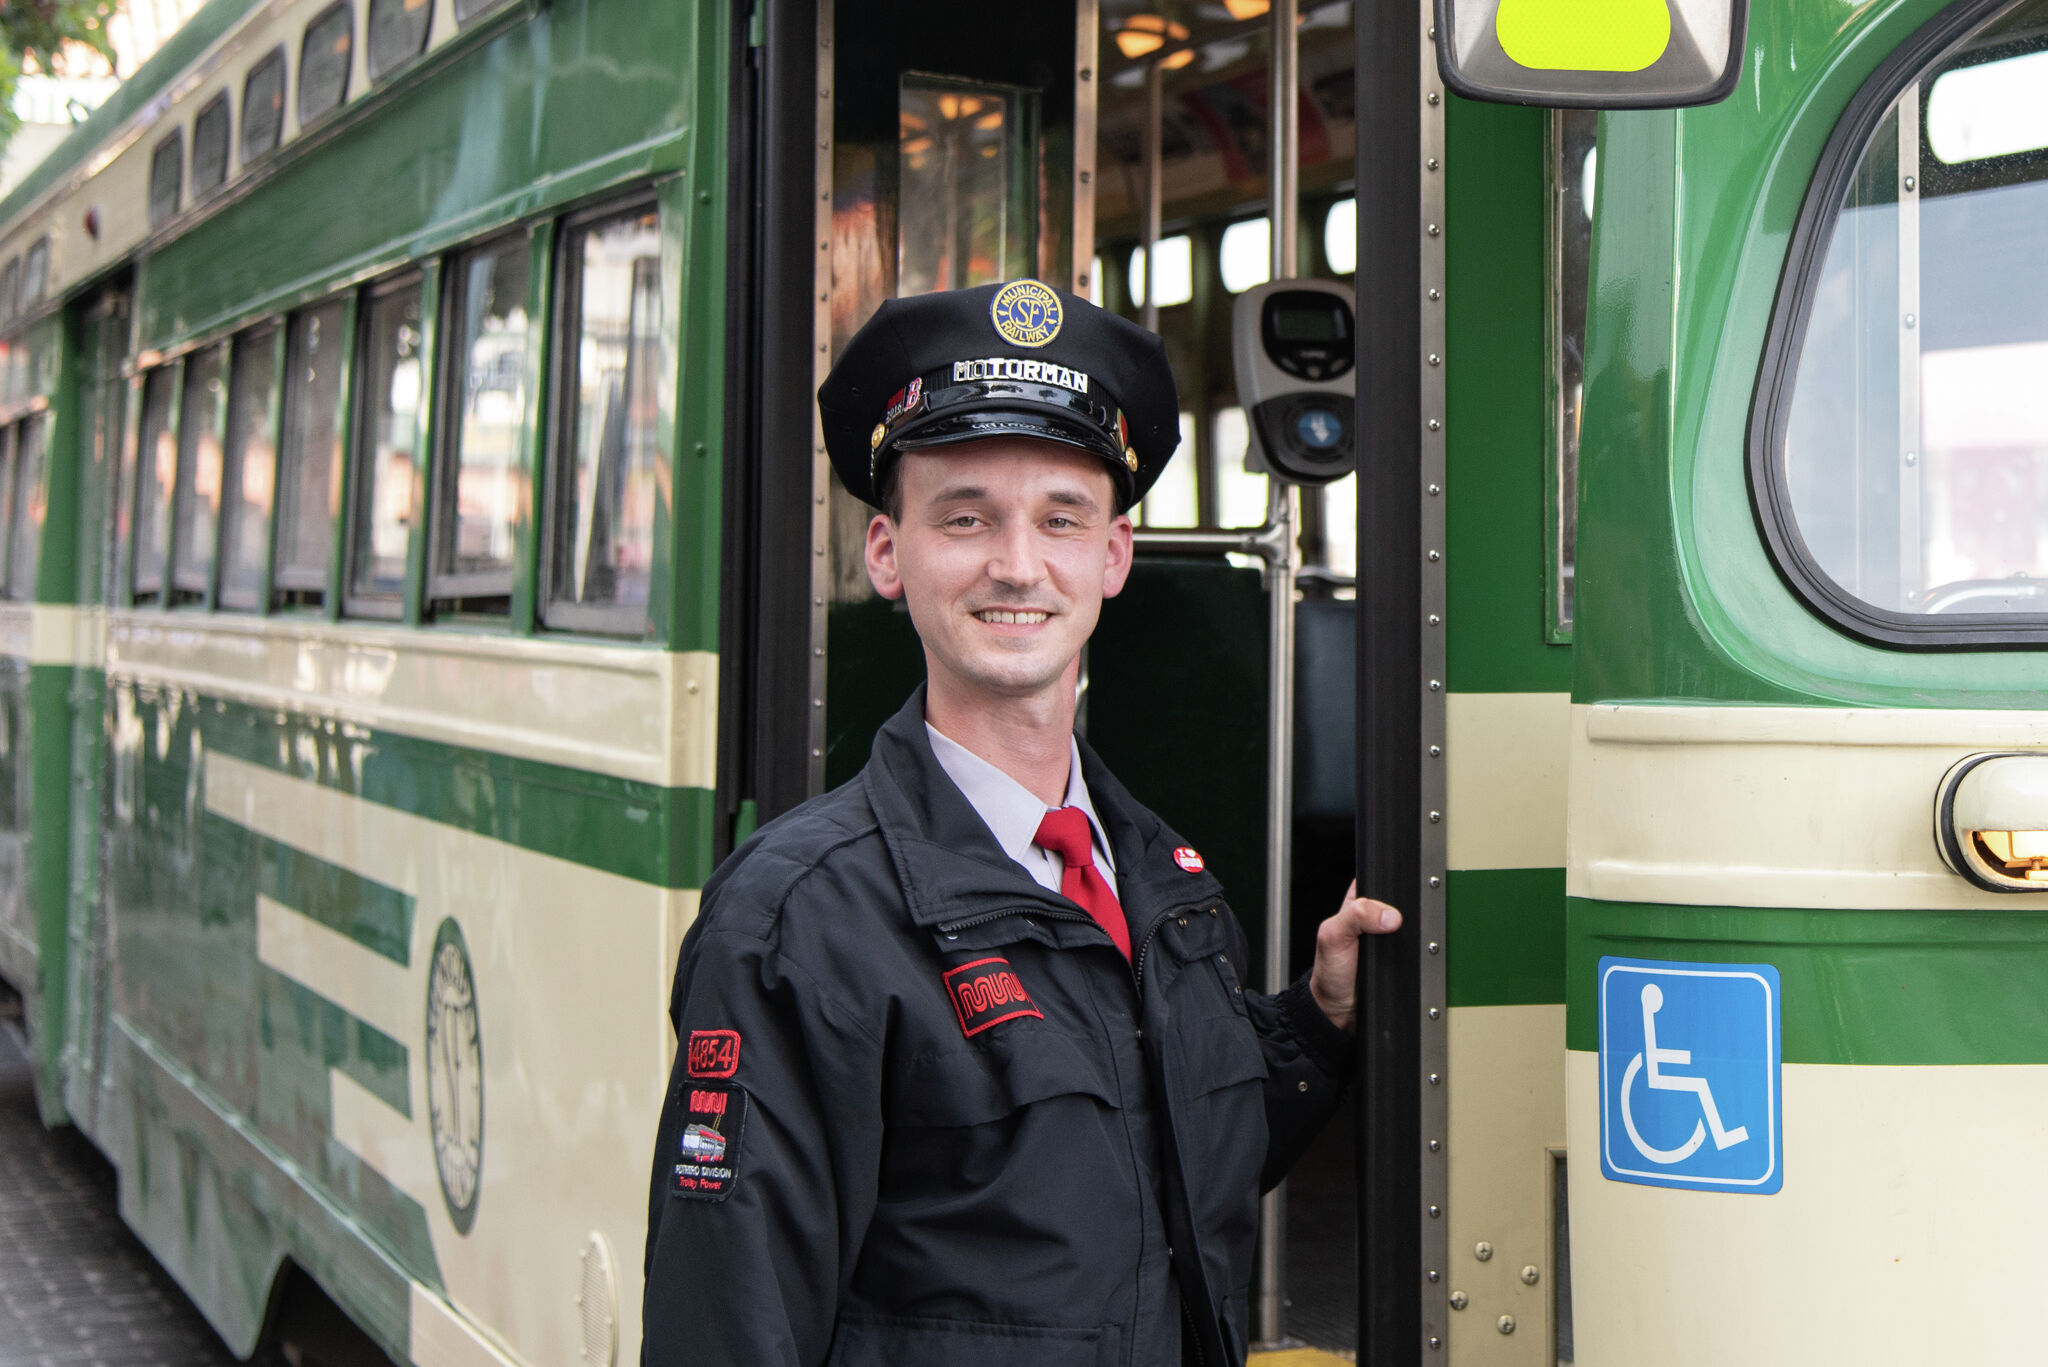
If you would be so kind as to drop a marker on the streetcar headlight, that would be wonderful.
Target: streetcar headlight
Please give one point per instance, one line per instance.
(1991, 821)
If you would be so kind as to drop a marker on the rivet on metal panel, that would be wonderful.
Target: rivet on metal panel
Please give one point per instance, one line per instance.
(1530, 1275)
(1433, 1274)
(817, 754)
(1482, 1250)
(1435, 359)
(1436, 1079)
(1911, 185)
(1506, 1324)
(1435, 98)
(1458, 1300)
(1434, 293)
(1436, 752)
(1301, 1086)
(1435, 1146)
(1436, 1013)
(1435, 426)
(1436, 685)
(1435, 489)
(1436, 1342)
(1435, 881)
(1434, 557)
(817, 702)
(1912, 458)
(1435, 948)
(1431, 163)
(1435, 620)
(1436, 1212)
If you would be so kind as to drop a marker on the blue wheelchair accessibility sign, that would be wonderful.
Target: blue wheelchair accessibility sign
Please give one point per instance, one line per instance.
(1689, 1061)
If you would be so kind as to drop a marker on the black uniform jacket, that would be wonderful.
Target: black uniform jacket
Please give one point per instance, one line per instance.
(923, 1112)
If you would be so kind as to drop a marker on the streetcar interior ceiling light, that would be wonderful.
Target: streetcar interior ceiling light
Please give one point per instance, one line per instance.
(1992, 109)
(1143, 34)
(1340, 237)
(1247, 9)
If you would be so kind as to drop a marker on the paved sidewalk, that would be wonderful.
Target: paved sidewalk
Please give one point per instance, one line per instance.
(76, 1288)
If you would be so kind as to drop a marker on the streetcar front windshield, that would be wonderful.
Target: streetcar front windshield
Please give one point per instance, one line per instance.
(1916, 453)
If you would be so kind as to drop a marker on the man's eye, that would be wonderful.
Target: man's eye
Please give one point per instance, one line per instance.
(1062, 523)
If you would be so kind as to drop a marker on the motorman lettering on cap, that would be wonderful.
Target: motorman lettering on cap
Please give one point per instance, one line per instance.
(1020, 359)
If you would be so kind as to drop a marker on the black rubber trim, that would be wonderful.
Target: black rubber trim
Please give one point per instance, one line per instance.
(1390, 1151)
(1771, 409)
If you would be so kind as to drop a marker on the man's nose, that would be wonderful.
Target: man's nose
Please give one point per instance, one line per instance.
(1016, 559)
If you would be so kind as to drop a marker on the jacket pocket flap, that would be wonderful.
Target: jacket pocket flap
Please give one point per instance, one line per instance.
(1223, 1051)
(1019, 1065)
(893, 1341)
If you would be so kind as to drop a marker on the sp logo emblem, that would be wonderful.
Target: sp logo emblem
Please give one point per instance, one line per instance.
(1026, 313)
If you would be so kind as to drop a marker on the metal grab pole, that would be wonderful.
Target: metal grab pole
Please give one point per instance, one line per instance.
(1155, 189)
(1283, 508)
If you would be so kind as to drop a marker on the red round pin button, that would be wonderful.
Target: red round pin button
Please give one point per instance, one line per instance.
(1188, 859)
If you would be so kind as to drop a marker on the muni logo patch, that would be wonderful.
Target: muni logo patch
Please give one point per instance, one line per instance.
(987, 992)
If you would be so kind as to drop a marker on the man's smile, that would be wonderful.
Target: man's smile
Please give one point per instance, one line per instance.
(1012, 617)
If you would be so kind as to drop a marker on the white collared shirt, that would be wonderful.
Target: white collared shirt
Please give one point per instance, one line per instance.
(1012, 813)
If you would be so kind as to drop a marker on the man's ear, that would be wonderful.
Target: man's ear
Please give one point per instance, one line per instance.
(1116, 567)
(881, 557)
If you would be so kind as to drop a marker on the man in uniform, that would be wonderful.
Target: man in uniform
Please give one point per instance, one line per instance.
(967, 1072)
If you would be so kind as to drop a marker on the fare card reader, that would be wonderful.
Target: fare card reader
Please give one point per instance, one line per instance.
(1296, 350)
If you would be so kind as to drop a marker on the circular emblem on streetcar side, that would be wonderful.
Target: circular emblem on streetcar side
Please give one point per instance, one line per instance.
(1026, 313)
(455, 1075)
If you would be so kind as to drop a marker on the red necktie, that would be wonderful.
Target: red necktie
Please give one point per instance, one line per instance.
(1065, 833)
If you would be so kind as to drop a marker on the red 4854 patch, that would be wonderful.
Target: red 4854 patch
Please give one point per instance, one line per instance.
(714, 1053)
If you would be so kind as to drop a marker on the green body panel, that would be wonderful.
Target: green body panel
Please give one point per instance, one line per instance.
(1507, 946)
(1678, 598)
(1860, 987)
(642, 831)
(1497, 402)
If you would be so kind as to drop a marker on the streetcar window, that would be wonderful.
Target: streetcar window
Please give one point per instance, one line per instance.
(1174, 499)
(483, 481)
(195, 501)
(387, 447)
(1240, 493)
(1340, 237)
(965, 205)
(166, 173)
(1574, 153)
(1913, 451)
(10, 291)
(210, 145)
(263, 106)
(35, 273)
(606, 454)
(466, 10)
(309, 455)
(249, 470)
(7, 435)
(324, 61)
(1176, 272)
(31, 441)
(1245, 257)
(155, 472)
(398, 31)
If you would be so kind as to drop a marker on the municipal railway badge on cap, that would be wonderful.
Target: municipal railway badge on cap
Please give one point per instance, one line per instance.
(1026, 313)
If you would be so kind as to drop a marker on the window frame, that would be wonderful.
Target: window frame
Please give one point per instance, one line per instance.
(198, 588)
(622, 620)
(35, 271)
(306, 119)
(173, 372)
(173, 142)
(268, 333)
(284, 81)
(10, 456)
(360, 437)
(323, 584)
(370, 65)
(225, 104)
(448, 590)
(1777, 375)
(22, 487)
